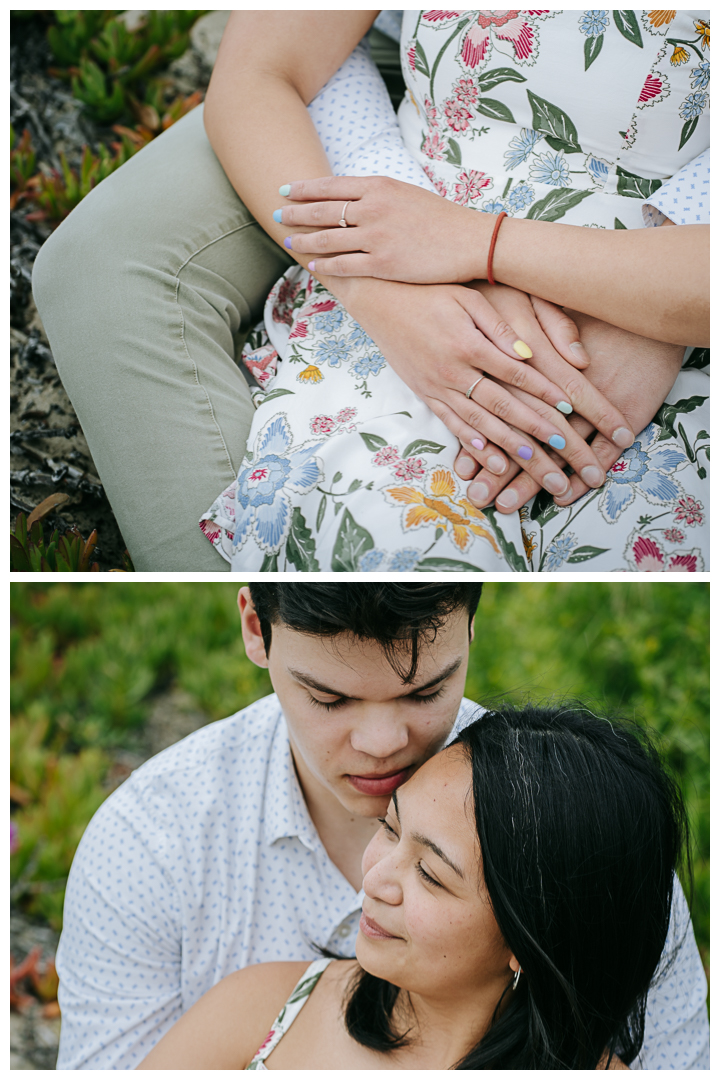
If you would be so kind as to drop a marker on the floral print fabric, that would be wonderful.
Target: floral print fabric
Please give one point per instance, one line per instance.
(572, 116)
(289, 1011)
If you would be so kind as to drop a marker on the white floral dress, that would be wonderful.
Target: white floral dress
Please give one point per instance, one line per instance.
(579, 116)
(304, 988)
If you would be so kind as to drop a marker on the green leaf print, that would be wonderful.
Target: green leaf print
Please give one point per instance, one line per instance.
(422, 446)
(593, 45)
(354, 486)
(453, 154)
(635, 187)
(688, 130)
(544, 508)
(698, 358)
(276, 393)
(304, 989)
(515, 562)
(269, 563)
(556, 204)
(352, 542)
(666, 414)
(300, 548)
(496, 110)
(627, 24)
(488, 80)
(454, 566)
(582, 554)
(548, 119)
(321, 513)
(421, 61)
(373, 442)
(619, 224)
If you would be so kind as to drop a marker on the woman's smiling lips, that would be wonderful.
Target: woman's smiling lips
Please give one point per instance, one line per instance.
(371, 929)
(380, 785)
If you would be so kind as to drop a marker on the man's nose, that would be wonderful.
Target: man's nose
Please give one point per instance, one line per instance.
(380, 735)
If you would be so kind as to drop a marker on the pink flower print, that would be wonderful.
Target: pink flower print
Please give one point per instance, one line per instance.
(689, 511)
(431, 113)
(469, 186)
(411, 56)
(458, 117)
(674, 536)
(466, 91)
(409, 469)
(210, 529)
(299, 330)
(651, 89)
(506, 26)
(433, 147)
(267, 1040)
(283, 306)
(322, 425)
(318, 306)
(440, 16)
(345, 415)
(683, 564)
(648, 556)
(388, 455)
(620, 466)
(437, 183)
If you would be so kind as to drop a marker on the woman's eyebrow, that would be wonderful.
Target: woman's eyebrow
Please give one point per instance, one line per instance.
(426, 842)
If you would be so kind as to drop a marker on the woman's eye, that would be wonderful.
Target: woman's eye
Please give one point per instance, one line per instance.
(426, 877)
(387, 828)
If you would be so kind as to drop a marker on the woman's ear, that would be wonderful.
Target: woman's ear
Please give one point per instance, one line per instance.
(251, 632)
(514, 964)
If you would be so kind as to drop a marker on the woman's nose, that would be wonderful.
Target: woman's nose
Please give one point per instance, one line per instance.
(382, 880)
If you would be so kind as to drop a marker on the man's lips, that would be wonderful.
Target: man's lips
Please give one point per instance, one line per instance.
(371, 929)
(379, 785)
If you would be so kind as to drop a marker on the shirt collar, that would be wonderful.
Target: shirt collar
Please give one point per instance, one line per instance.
(286, 812)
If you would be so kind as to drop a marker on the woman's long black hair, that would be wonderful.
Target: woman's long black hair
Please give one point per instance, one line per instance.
(580, 829)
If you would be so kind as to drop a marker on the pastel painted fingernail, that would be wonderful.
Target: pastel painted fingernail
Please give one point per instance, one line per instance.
(277, 216)
(478, 444)
(284, 190)
(564, 407)
(311, 266)
(507, 498)
(557, 442)
(479, 493)
(525, 452)
(579, 350)
(465, 467)
(288, 242)
(556, 483)
(522, 350)
(496, 464)
(592, 476)
(623, 438)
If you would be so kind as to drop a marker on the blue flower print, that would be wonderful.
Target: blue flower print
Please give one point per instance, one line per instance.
(560, 550)
(332, 351)
(329, 320)
(263, 507)
(495, 207)
(701, 75)
(551, 169)
(367, 365)
(359, 339)
(594, 23)
(693, 105)
(405, 559)
(371, 560)
(521, 196)
(598, 169)
(520, 147)
(635, 472)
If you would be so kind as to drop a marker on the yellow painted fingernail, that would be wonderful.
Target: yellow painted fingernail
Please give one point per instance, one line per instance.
(522, 350)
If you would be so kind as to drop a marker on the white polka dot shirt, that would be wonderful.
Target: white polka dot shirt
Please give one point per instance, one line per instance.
(685, 197)
(205, 861)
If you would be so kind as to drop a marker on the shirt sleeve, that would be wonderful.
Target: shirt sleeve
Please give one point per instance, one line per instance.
(684, 198)
(677, 1031)
(119, 958)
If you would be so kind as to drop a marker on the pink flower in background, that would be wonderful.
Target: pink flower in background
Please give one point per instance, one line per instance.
(466, 91)
(433, 147)
(470, 185)
(458, 117)
(431, 113)
(409, 469)
(322, 425)
(674, 536)
(345, 415)
(388, 455)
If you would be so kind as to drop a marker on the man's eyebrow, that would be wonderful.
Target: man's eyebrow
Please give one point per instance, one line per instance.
(420, 839)
(308, 680)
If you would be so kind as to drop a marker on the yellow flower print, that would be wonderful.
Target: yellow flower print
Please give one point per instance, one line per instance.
(661, 18)
(442, 506)
(679, 56)
(527, 539)
(311, 374)
(703, 29)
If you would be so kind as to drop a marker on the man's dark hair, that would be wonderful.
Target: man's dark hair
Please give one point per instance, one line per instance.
(400, 617)
(580, 829)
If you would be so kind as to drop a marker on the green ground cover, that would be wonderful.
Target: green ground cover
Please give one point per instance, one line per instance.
(88, 659)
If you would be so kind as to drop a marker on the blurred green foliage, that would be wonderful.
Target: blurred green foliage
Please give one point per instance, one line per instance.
(87, 660)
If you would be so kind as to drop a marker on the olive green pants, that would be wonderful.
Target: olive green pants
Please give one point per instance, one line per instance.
(145, 292)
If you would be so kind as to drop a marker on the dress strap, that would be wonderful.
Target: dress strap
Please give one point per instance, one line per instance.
(290, 1009)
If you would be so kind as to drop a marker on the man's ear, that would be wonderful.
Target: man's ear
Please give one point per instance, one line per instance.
(251, 632)
(472, 629)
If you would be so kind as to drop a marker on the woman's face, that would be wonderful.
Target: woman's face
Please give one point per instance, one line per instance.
(427, 923)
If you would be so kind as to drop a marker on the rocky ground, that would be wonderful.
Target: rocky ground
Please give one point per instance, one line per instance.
(48, 450)
(33, 1036)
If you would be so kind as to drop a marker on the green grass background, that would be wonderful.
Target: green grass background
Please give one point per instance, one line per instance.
(87, 660)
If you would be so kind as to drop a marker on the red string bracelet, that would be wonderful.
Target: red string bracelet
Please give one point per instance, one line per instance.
(491, 252)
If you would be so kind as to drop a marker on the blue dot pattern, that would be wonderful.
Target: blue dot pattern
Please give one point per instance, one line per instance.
(685, 197)
(205, 861)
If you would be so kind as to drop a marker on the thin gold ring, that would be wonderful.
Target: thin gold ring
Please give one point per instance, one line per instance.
(342, 221)
(468, 393)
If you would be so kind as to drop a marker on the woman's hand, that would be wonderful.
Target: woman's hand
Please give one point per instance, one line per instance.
(635, 372)
(395, 230)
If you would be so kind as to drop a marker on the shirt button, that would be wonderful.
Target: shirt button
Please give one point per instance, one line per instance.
(344, 930)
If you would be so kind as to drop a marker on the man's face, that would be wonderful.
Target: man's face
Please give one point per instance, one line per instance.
(356, 730)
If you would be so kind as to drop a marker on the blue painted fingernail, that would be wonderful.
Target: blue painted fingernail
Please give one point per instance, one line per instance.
(277, 216)
(564, 407)
(311, 266)
(288, 242)
(557, 442)
(284, 190)
(525, 452)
